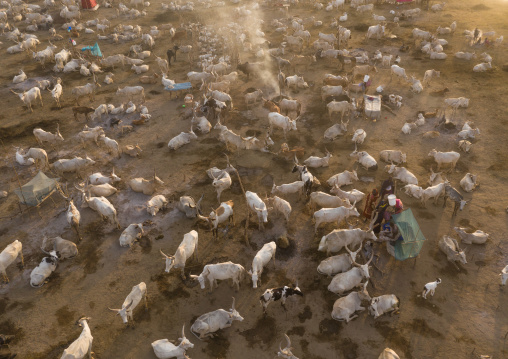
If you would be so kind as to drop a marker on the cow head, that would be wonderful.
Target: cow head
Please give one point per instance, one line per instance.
(200, 278)
(364, 268)
(323, 246)
(170, 261)
(234, 315)
(286, 352)
(255, 278)
(373, 307)
(184, 342)
(123, 312)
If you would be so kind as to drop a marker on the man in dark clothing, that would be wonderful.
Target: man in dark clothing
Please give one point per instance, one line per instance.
(477, 37)
(379, 216)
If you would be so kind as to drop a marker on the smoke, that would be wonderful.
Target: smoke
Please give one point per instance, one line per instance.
(244, 26)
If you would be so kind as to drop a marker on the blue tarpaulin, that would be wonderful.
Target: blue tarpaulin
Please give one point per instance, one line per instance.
(95, 50)
(178, 87)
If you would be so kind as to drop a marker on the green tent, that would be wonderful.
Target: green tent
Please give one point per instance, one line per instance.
(412, 237)
(37, 190)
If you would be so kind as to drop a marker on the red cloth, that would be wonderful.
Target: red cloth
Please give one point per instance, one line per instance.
(88, 4)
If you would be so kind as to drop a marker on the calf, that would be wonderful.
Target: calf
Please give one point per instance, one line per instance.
(40, 273)
(281, 293)
(131, 301)
(430, 287)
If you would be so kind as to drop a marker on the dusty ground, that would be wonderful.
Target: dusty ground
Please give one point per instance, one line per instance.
(466, 313)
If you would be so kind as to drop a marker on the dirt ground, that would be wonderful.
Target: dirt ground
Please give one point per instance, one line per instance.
(465, 315)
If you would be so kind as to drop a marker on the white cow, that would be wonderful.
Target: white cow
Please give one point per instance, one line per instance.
(155, 204)
(221, 271)
(9, 255)
(344, 282)
(209, 323)
(131, 234)
(260, 260)
(40, 273)
(187, 248)
(469, 182)
(477, 237)
(344, 308)
(342, 179)
(339, 238)
(258, 206)
(384, 304)
(163, 349)
(131, 301)
(339, 214)
(441, 158)
(82, 346)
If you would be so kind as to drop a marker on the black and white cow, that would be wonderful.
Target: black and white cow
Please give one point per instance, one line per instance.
(274, 294)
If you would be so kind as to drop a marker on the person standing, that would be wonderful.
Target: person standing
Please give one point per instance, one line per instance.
(370, 204)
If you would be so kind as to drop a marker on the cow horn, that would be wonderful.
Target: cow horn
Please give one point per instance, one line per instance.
(164, 254)
(233, 305)
(371, 257)
(288, 341)
(183, 331)
(280, 347)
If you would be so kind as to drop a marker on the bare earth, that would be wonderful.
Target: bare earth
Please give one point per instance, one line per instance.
(467, 313)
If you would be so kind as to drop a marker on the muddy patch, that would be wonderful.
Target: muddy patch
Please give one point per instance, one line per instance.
(264, 332)
(90, 253)
(300, 331)
(217, 347)
(64, 316)
(328, 328)
(9, 328)
(394, 338)
(305, 349)
(348, 348)
(421, 327)
(426, 304)
(306, 314)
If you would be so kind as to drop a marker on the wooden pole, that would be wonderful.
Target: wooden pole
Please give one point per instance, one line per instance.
(246, 235)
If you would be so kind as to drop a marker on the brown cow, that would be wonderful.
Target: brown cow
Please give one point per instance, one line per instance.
(271, 106)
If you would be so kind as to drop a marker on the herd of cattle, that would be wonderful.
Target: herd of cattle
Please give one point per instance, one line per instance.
(217, 52)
